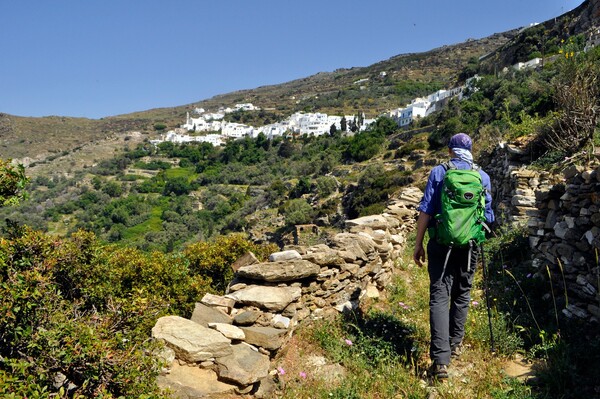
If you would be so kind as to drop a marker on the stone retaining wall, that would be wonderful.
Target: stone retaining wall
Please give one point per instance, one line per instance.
(562, 215)
(228, 344)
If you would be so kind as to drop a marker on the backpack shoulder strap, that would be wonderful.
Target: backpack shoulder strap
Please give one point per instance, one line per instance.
(448, 165)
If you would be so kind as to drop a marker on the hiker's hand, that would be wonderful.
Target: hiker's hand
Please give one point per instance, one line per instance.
(419, 255)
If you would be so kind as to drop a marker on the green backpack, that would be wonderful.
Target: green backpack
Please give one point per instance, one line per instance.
(461, 221)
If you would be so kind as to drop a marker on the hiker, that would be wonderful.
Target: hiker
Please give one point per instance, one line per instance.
(451, 269)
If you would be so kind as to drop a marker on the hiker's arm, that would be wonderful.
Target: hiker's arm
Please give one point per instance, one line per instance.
(419, 253)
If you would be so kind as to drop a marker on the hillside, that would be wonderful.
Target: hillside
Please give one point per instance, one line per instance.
(330, 92)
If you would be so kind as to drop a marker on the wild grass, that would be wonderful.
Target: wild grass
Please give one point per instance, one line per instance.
(381, 351)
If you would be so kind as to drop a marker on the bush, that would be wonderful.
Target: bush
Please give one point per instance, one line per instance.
(297, 211)
(213, 260)
(12, 183)
(82, 311)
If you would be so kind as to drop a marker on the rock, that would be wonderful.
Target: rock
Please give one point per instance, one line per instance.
(244, 366)
(572, 171)
(266, 388)
(280, 271)
(193, 382)
(228, 330)
(372, 292)
(246, 318)
(165, 355)
(561, 229)
(246, 260)
(521, 200)
(280, 321)
(348, 306)
(374, 221)
(285, 256)
(190, 341)
(217, 300)
(265, 337)
(204, 314)
(322, 255)
(360, 247)
(270, 298)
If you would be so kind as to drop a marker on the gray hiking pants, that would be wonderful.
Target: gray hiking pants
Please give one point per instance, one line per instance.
(449, 296)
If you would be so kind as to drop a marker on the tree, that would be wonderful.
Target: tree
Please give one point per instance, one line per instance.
(332, 129)
(177, 185)
(297, 211)
(385, 125)
(113, 189)
(353, 125)
(344, 124)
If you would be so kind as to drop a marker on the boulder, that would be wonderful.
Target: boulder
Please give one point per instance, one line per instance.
(190, 341)
(273, 299)
(244, 366)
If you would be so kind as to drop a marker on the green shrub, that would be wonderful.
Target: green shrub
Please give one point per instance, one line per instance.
(213, 260)
(12, 183)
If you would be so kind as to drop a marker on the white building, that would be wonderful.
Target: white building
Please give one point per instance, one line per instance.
(236, 130)
(418, 108)
(204, 123)
(178, 138)
(533, 63)
(246, 107)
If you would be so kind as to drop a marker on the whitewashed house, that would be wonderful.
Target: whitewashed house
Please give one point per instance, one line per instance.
(214, 139)
(533, 63)
(236, 130)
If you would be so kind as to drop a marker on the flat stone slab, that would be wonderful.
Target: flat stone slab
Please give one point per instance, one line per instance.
(280, 271)
(204, 314)
(194, 382)
(244, 366)
(291, 254)
(273, 299)
(265, 337)
(217, 300)
(373, 221)
(191, 341)
(228, 330)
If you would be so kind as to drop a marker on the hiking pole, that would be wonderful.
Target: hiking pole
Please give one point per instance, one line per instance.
(486, 288)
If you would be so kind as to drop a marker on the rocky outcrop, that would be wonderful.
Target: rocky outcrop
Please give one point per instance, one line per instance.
(233, 338)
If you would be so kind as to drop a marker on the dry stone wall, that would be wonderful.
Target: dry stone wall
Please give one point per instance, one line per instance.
(230, 340)
(562, 215)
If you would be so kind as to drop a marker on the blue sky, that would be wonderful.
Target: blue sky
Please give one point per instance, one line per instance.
(109, 57)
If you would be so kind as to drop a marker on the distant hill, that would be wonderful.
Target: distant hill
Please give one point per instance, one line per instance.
(330, 92)
(384, 85)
